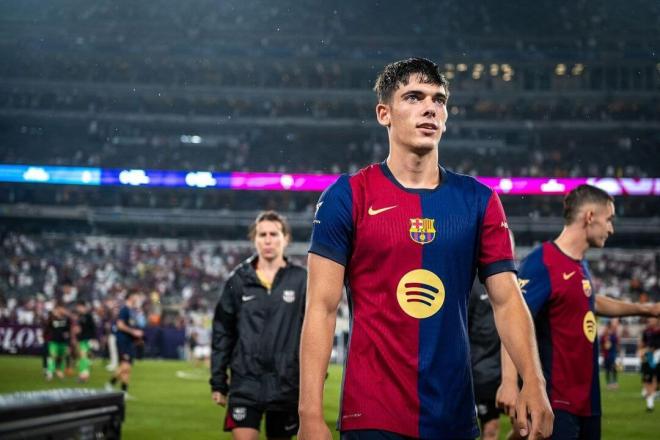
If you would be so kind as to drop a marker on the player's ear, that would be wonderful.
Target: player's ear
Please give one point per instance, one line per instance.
(383, 114)
(588, 216)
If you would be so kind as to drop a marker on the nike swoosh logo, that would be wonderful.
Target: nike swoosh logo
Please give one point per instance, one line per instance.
(483, 297)
(248, 298)
(373, 211)
(567, 276)
(290, 427)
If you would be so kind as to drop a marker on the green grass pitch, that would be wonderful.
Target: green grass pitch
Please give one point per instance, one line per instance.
(173, 400)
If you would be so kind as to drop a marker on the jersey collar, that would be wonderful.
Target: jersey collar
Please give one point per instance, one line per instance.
(388, 173)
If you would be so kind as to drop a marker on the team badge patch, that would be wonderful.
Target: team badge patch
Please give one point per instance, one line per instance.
(422, 230)
(289, 296)
(239, 413)
(420, 293)
(586, 286)
(589, 326)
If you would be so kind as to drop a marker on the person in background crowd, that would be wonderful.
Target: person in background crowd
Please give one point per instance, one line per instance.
(59, 329)
(649, 349)
(256, 335)
(609, 350)
(86, 332)
(128, 332)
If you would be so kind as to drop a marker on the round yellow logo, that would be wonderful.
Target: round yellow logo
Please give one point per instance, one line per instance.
(420, 293)
(589, 326)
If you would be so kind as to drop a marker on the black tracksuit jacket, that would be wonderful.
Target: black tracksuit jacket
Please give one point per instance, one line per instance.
(256, 334)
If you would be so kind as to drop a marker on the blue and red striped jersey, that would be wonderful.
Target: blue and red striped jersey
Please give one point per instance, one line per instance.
(558, 291)
(411, 256)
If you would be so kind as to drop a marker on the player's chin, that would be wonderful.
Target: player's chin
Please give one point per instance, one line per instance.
(426, 144)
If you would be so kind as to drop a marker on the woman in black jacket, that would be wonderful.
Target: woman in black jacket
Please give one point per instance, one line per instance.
(256, 335)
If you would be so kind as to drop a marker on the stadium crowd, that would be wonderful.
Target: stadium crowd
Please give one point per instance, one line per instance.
(187, 275)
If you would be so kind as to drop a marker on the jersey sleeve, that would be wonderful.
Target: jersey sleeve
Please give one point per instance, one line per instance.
(495, 249)
(534, 281)
(224, 334)
(332, 230)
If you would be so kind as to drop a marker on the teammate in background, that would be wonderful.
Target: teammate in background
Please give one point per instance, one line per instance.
(201, 353)
(649, 349)
(128, 332)
(407, 237)
(59, 329)
(110, 327)
(556, 284)
(485, 357)
(256, 335)
(86, 331)
(609, 349)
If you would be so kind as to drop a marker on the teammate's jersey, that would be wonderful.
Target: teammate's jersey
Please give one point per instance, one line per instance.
(60, 329)
(87, 327)
(558, 291)
(609, 346)
(651, 337)
(128, 316)
(410, 258)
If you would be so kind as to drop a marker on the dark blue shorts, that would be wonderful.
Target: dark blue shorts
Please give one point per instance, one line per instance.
(126, 351)
(571, 427)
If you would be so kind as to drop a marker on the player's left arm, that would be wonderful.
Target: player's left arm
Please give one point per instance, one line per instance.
(513, 319)
(516, 329)
(606, 306)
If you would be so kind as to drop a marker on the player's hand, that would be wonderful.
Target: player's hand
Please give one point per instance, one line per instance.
(313, 429)
(534, 417)
(138, 333)
(219, 398)
(506, 397)
(656, 310)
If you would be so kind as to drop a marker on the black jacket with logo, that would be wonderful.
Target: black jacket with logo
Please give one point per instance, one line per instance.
(256, 334)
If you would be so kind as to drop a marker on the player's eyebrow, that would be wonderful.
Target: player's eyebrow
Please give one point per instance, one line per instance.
(441, 95)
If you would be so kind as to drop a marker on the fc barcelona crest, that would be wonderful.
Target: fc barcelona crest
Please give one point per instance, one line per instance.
(586, 286)
(422, 230)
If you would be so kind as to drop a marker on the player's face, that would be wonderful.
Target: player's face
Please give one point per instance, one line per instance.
(416, 115)
(269, 240)
(600, 226)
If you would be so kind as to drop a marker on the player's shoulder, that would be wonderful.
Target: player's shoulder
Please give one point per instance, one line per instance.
(349, 186)
(339, 189)
(536, 253)
(243, 270)
(534, 261)
(466, 183)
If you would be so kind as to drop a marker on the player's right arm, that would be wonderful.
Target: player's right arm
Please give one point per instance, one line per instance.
(223, 340)
(324, 289)
(122, 319)
(328, 255)
(534, 283)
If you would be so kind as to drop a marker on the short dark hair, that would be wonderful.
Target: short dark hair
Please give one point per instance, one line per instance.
(272, 216)
(131, 292)
(580, 196)
(399, 72)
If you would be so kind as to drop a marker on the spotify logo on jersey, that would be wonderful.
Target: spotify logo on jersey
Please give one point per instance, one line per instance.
(420, 293)
(589, 326)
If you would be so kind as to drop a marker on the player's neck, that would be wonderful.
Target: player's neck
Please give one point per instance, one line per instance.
(572, 242)
(270, 266)
(413, 170)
